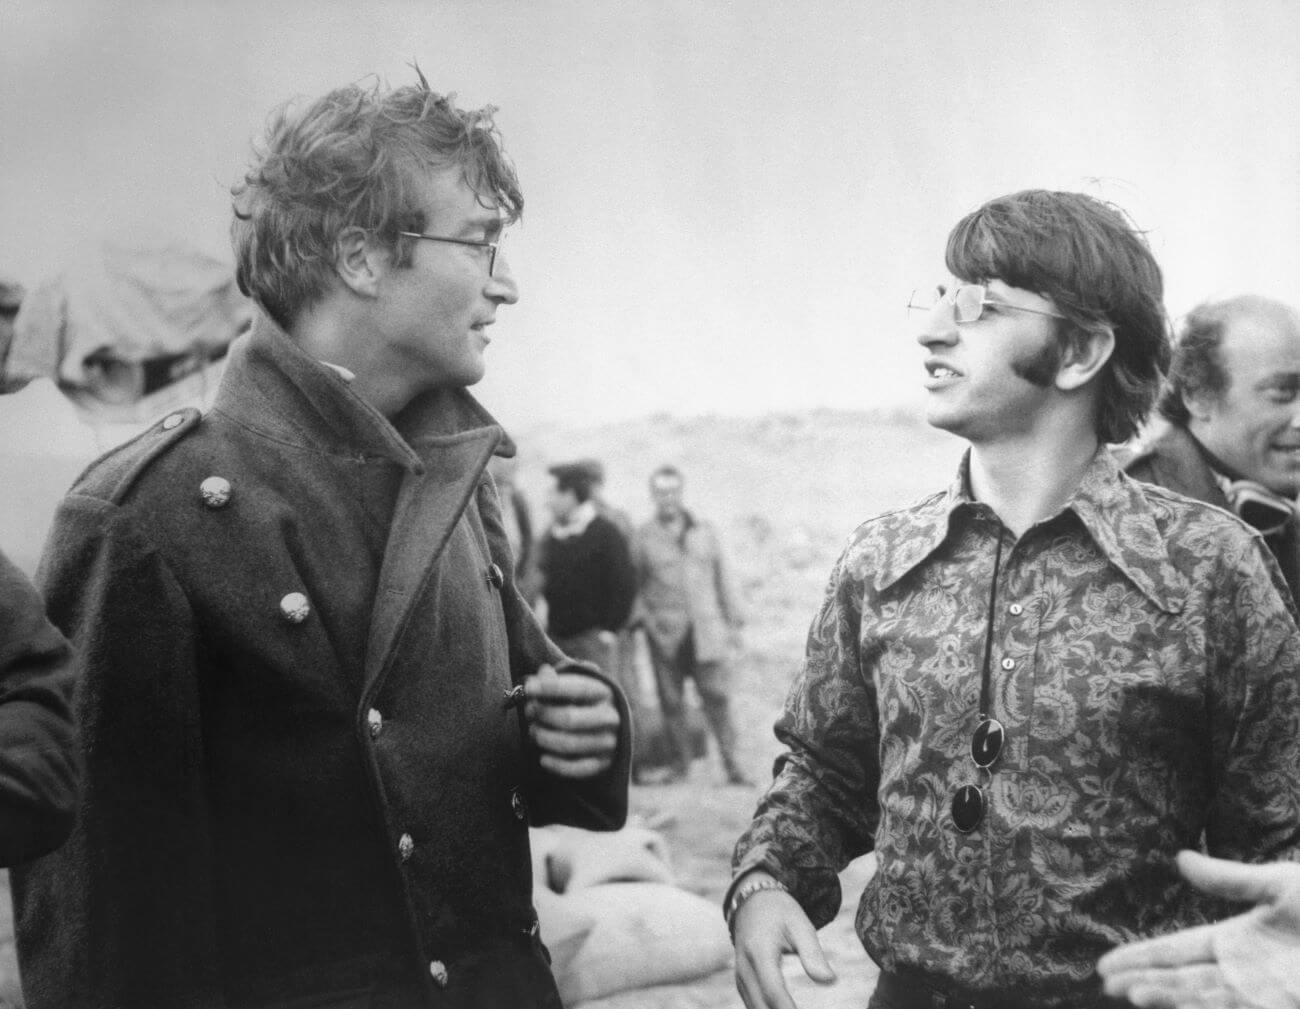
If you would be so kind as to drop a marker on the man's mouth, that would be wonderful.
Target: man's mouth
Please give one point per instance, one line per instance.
(937, 369)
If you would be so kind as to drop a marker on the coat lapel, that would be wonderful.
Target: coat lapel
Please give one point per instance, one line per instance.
(429, 504)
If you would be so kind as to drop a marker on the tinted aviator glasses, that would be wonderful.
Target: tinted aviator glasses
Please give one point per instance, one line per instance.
(968, 302)
(490, 248)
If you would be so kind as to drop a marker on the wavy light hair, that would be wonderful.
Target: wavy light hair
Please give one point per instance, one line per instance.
(1094, 264)
(355, 157)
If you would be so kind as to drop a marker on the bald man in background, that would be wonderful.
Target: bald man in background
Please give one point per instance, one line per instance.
(1232, 401)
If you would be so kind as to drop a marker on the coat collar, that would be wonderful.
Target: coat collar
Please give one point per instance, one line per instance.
(271, 386)
(1111, 507)
(443, 441)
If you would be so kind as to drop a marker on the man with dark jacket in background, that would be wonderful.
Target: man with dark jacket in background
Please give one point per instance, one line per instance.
(318, 717)
(587, 577)
(1232, 401)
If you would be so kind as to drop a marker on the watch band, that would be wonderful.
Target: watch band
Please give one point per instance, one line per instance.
(747, 890)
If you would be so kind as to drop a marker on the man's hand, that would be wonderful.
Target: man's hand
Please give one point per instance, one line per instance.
(767, 925)
(573, 722)
(1252, 960)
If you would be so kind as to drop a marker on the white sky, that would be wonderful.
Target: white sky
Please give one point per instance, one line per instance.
(727, 203)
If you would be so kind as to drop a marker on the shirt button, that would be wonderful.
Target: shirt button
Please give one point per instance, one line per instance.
(438, 971)
(406, 847)
(513, 697)
(1008, 663)
(294, 608)
(1016, 609)
(172, 420)
(494, 576)
(215, 491)
(517, 804)
(375, 721)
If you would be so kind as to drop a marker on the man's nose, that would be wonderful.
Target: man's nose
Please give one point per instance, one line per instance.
(939, 327)
(501, 285)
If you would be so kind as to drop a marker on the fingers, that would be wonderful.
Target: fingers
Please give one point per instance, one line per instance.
(566, 716)
(768, 925)
(571, 745)
(803, 937)
(1191, 946)
(1257, 884)
(552, 687)
(1201, 986)
(565, 767)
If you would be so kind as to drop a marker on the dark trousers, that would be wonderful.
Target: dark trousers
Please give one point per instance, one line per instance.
(711, 682)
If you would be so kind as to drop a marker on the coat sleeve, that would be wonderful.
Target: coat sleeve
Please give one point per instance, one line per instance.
(39, 763)
(598, 803)
(122, 915)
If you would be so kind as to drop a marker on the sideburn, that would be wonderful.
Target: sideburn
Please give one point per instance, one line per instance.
(1041, 366)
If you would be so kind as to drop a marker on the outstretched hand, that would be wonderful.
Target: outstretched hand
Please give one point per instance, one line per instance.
(573, 721)
(1251, 961)
(768, 925)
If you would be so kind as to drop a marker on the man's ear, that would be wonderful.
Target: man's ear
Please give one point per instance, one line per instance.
(358, 262)
(1198, 404)
(1086, 353)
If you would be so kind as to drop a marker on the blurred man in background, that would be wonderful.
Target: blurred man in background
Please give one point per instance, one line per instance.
(1232, 401)
(318, 717)
(1027, 692)
(587, 577)
(691, 615)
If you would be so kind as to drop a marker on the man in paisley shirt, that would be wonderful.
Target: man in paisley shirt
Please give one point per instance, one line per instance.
(1027, 692)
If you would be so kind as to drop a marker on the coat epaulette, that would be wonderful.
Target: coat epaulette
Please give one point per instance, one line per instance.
(113, 474)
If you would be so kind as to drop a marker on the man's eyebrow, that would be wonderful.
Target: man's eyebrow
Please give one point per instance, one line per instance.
(1279, 378)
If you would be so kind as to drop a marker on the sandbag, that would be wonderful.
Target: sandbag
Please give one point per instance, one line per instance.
(642, 934)
(582, 858)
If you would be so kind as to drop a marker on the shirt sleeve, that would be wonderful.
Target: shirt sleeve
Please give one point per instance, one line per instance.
(821, 810)
(1253, 698)
(39, 766)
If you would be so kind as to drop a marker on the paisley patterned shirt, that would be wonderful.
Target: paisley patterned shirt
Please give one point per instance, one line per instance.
(1146, 668)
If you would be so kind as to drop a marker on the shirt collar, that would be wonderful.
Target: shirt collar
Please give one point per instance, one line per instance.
(1112, 508)
(577, 522)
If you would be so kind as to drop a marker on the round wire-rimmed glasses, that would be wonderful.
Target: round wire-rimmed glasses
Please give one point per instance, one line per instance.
(492, 247)
(969, 802)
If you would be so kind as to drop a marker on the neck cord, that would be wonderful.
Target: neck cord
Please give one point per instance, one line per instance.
(988, 639)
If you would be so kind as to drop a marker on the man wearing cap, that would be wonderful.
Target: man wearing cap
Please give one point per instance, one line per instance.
(1232, 403)
(1028, 691)
(318, 717)
(587, 578)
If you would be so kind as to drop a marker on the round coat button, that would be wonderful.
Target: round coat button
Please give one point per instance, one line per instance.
(375, 721)
(1008, 663)
(494, 576)
(406, 847)
(1016, 609)
(514, 696)
(215, 491)
(172, 420)
(518, 805)
(294, 608)
(438, 971)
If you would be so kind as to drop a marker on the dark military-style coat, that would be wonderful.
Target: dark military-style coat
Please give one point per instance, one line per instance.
(307, 773)
(39, 771)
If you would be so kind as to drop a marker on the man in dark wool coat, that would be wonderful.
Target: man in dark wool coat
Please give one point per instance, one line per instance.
(318, 718)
